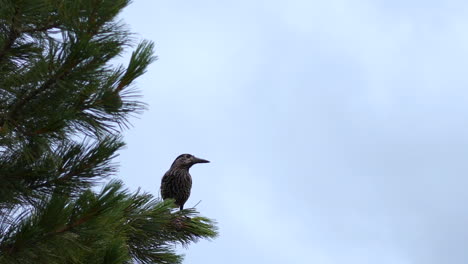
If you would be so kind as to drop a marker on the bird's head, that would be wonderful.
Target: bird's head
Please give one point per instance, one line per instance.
(187, 161)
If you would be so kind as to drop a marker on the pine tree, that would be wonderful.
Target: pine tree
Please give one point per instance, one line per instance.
(63, 104)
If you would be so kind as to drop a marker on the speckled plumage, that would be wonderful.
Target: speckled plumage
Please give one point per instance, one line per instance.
(177, 182)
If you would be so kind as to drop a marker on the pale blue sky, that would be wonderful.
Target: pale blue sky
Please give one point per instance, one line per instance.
(337, 130)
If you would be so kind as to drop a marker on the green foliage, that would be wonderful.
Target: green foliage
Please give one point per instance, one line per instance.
(111, 226)
(63, 103)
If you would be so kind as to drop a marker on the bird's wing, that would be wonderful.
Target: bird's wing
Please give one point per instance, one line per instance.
(164, 183)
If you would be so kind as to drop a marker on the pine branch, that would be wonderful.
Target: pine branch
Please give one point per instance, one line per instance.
(41, 28)
(12, 36)
(8, 44)
(147, 227)
(60, 75)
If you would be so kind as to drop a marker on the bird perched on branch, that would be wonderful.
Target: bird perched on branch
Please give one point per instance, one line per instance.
(177, 182)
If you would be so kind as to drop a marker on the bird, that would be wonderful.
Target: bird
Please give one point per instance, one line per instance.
(177, 183)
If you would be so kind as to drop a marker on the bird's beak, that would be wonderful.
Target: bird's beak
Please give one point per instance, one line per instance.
(198, 160)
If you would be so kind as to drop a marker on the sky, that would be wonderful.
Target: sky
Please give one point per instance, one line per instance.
(337, 130)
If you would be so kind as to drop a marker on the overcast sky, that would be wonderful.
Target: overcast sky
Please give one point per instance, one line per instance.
(337, 130)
